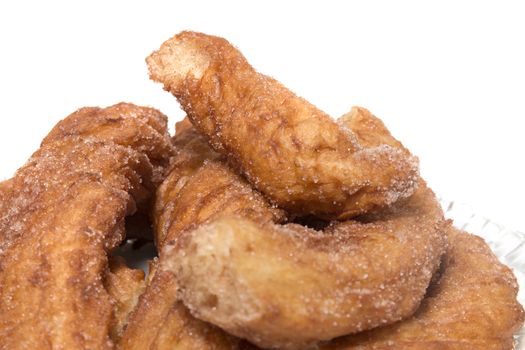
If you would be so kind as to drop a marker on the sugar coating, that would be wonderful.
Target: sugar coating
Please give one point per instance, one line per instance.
(199, 187)
(288, 286)
(289, 150)
(124, 286)
(61, 214)
(202, 191)
(471, 304)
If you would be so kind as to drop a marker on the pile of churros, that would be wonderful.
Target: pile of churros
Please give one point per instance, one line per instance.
(276, 226)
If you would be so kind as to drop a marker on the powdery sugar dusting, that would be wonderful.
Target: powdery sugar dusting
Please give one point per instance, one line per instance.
(353, 276)
(60, 214)
(287, 148)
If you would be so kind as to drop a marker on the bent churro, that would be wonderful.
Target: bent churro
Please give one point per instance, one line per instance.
(288, 149)
(60, 215)
(198, 188)
(471, 305)
(124, 286)
(287, 286)
(204, 190)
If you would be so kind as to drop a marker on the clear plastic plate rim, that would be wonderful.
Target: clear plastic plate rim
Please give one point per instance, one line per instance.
(507, 244)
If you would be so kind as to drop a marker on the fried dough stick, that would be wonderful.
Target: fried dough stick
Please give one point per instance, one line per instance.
(472, 306)
(184, 202)
(62, 213)
(288, 149)
(199, 188)
(288, 286)
(124, 285)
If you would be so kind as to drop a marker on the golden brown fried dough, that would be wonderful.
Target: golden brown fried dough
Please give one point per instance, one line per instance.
(3, 186)
(60, 215)
(288, 286)
(106, 124)
(198, 188)
(288, 149)
(124, 286)
(318, 273)
(472, 306)
(161, 322)
(201, 186)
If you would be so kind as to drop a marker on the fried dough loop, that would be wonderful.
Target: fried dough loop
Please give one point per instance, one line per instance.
(61, 214)
(470, 305)
(293, 153)
(202, 189)
(276, 228)
(308, 164)
(277, 284)
(241, 269)
(199, 187)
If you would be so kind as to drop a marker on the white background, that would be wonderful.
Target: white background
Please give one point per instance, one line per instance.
(448, 77)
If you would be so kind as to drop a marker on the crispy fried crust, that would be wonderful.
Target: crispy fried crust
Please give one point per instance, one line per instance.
(161, 322)
(472, 306)
(3, 186)
(200, 190)
(288, 149)
(470, 275)
(173, 209)
(124, 286)
(61, 214)
(145, 132)
(335, 270)
(287, 286)
(199, 187)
